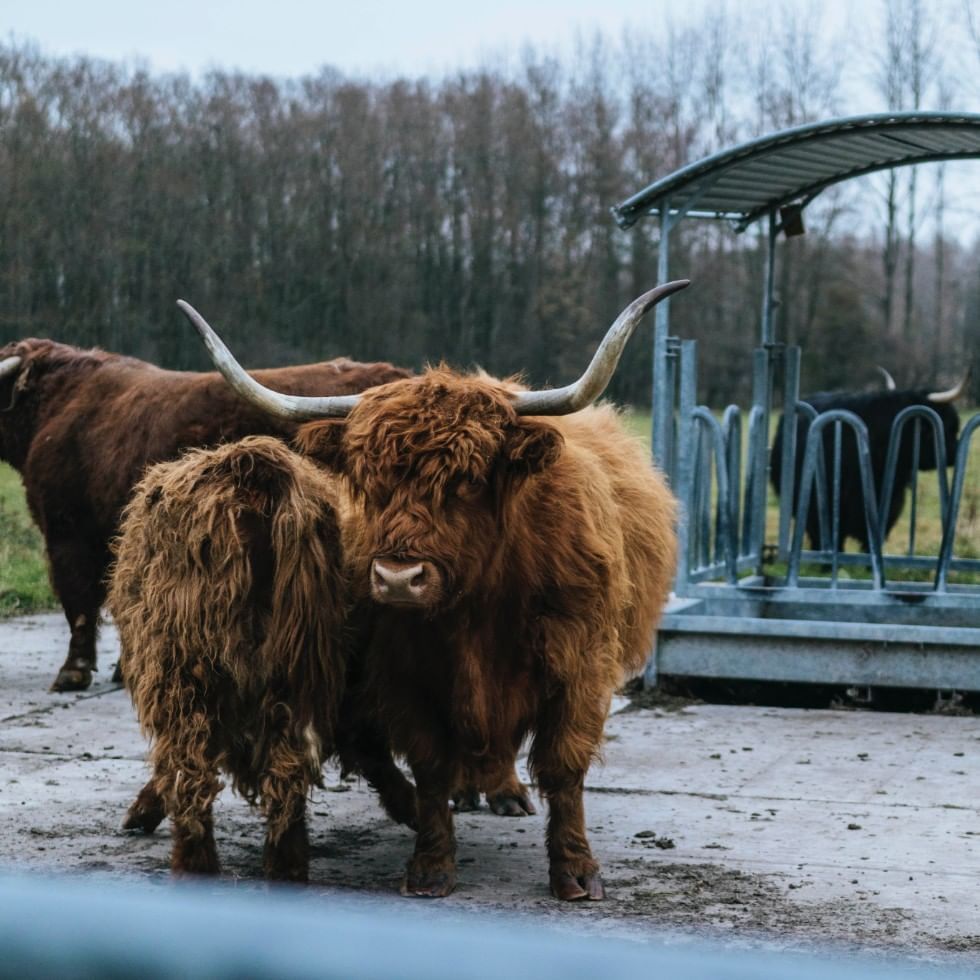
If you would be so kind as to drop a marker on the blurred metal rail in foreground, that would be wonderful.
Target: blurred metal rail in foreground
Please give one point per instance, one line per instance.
(61, 927)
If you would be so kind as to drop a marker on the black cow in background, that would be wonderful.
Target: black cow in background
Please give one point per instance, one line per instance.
(878, 411)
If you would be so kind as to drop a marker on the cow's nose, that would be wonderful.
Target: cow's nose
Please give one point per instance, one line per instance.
(403, 583)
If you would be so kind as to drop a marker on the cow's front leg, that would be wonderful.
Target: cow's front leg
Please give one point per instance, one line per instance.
(431, 872)
(568, 737)
(573, 873)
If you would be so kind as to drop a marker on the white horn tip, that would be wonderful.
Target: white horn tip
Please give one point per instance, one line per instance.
(655, 295)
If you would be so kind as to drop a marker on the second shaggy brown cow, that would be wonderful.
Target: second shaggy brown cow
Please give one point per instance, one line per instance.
(230, 597)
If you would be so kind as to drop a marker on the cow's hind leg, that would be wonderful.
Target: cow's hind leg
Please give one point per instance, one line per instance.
(431, 872)
(367, 752)
(75, 674)
(568, 736)
(190, 797)
(506, 794)
(283, 788)
(466, 798)
(147, 811)
(77, 571)
(186, 776)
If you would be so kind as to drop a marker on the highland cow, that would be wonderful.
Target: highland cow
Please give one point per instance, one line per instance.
(878, 410)
(514, 568)
(230, 597)
(81, 426)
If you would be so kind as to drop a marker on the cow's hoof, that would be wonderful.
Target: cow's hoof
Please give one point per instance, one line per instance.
(576, 888)
(189, 862)
(293, 874)
(428, 884)
(117, 677)
(466, 800)
(72, 679)
(512, 804)
(196, 869)
(145, 813)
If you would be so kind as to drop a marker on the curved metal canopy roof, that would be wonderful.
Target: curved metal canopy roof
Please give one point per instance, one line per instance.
(794, 165)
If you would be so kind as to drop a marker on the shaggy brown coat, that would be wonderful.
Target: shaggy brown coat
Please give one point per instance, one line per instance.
(81, 426)
(554, 545)
(230, 598)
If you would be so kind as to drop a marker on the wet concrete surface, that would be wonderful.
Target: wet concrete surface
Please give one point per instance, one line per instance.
(762, 827)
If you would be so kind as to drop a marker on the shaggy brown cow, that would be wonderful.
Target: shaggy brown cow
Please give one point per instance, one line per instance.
(230, 597)
(82, 425)
(517, 566)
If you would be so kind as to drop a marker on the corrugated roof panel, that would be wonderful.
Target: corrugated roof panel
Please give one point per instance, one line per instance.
(957, 141)
(755, 177)
(858, 144)
(776, 167)
(860, 148)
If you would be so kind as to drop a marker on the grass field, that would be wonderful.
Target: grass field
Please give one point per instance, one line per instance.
(24, 584)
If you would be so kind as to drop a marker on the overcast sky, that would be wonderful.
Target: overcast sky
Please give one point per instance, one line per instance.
(296, 37)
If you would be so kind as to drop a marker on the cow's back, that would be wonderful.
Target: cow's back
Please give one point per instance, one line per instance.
(107, 424)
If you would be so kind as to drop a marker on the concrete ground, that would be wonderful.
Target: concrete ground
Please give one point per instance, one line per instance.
(768, 827)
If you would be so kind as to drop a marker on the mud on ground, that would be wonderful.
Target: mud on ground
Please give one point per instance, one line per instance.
(772, 827)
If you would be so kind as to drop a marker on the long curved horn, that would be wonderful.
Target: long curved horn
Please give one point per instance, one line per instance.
(9, 366)
(571, 398)
(297, 408)
(951, 394)
(889, 380)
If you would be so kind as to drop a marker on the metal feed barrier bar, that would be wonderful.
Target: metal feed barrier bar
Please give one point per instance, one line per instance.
(819, 615)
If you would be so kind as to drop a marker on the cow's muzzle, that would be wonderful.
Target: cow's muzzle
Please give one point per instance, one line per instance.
(417, 584)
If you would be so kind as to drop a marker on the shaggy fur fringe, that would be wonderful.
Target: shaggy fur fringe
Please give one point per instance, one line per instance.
(229, 594)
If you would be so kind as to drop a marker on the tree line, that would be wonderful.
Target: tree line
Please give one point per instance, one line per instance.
(464, 218)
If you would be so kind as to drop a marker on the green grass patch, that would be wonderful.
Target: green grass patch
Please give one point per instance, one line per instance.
(639, 423)
(24, 586)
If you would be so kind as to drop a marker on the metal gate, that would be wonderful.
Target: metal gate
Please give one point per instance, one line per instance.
(745, 609)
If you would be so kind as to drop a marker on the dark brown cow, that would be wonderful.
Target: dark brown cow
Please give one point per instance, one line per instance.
(515, 567)
(230, 595)
(82, 425)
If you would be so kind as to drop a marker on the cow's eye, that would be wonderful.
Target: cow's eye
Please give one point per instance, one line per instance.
(469, 487)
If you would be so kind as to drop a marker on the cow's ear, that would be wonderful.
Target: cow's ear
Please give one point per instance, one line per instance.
(323, 442)
(531, 446)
